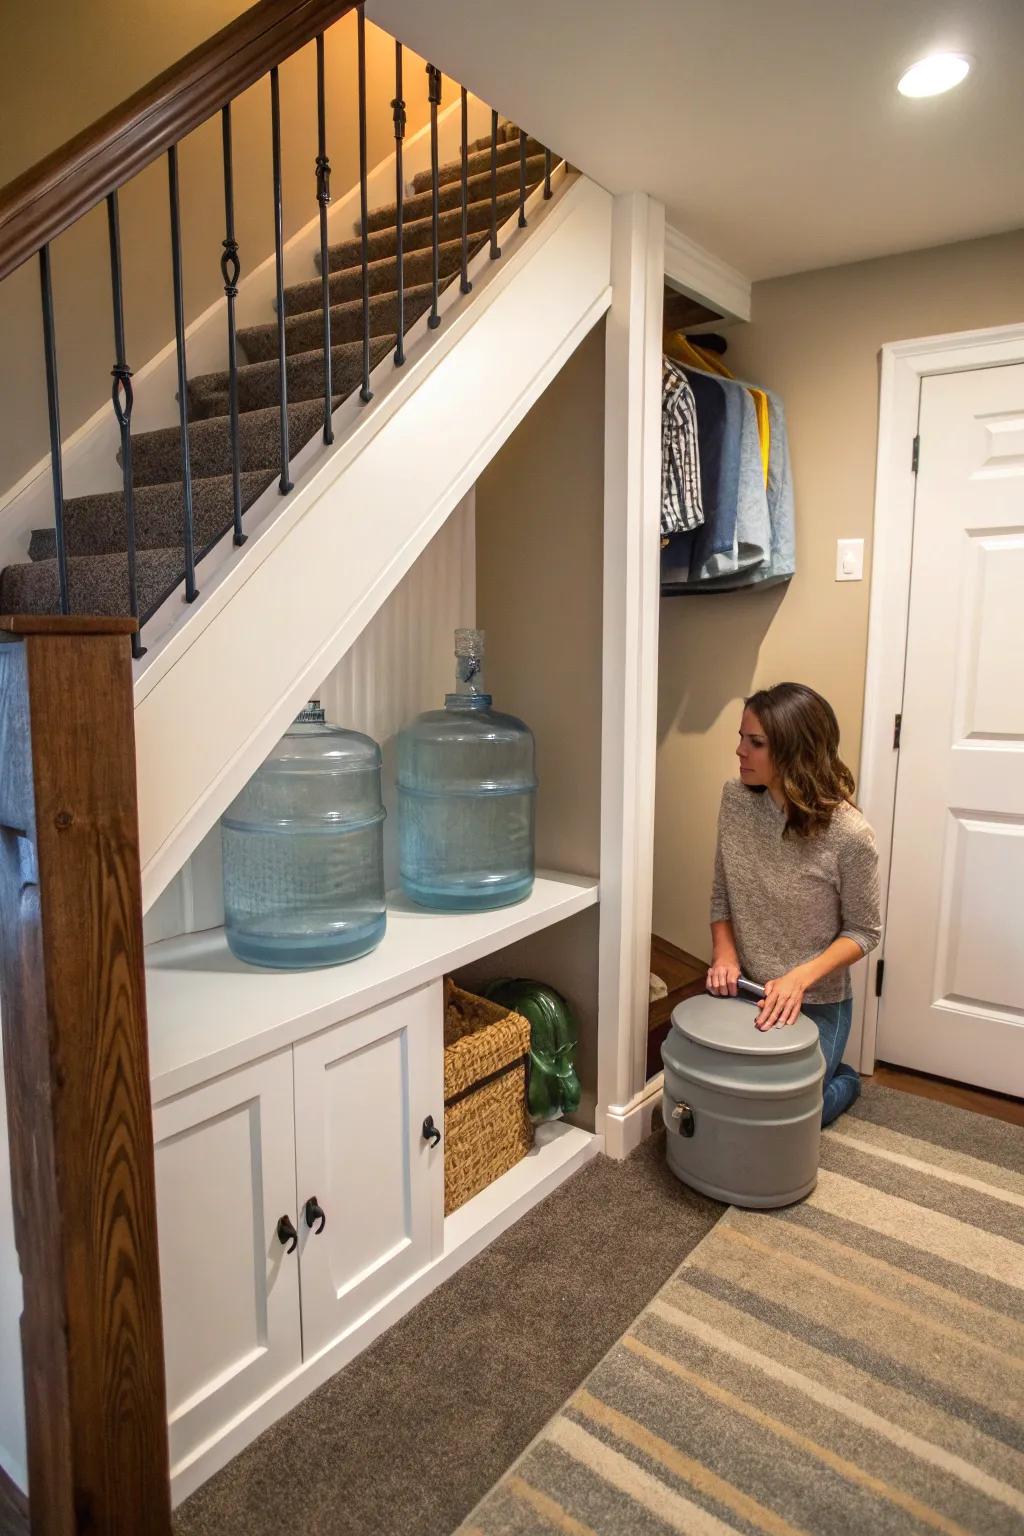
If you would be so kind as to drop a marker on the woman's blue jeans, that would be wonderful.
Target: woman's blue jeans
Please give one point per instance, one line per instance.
(842, 1085)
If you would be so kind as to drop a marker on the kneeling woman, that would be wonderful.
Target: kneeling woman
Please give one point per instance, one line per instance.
(795, 898)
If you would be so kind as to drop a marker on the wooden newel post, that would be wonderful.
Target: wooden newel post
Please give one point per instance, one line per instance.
(73, 1002)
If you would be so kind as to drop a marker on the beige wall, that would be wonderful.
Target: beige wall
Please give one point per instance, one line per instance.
(75, 61)
(540, 512)
(540, 551)
(815, 339)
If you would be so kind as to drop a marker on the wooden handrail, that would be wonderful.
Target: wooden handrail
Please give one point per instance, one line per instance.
(48, 199)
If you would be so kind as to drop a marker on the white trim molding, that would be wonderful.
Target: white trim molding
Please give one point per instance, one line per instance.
(632, 504)
(697, 272)
(627, 1125)
(904, 365)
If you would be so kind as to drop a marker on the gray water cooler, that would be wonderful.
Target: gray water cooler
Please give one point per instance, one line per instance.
(742, 1106)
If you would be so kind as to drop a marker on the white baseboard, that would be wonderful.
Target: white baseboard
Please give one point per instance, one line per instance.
(625, 1126)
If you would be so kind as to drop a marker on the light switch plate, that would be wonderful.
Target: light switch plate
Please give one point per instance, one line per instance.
(849, 560)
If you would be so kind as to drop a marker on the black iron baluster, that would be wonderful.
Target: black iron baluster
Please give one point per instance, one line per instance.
(53, 405)
(495, 247)
(282, 356)
(191, 592)
(522, 179)
(398, 109)
(230, 270)
(465, 285)
(547, 173)
(122, 396)
(365, 393)
(434, 97)
(323, 197)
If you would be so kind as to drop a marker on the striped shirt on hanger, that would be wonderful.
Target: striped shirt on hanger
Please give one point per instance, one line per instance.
(681, 505)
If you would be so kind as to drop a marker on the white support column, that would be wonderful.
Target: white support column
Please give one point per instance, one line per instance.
(630, 692)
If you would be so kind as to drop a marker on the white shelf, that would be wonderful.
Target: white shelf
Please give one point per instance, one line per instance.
(209, 1012)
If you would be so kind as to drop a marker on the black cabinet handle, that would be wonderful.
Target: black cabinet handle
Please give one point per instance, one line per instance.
(287, 1234)
(430, 1131)
(315, 1213)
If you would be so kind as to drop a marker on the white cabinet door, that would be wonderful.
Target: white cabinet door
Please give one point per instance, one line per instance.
(362, 1092)
(225, 1174)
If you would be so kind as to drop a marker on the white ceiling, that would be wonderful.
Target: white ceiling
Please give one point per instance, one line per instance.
(771, 129)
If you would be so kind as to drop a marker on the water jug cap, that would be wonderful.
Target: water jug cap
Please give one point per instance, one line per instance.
(469, 642)
(311, 715)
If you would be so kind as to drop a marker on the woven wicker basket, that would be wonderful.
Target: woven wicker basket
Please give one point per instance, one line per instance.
(486, 1125)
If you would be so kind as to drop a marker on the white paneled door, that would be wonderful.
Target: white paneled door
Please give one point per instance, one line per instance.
(953, 996)
(225, 1174)
(362, 1093)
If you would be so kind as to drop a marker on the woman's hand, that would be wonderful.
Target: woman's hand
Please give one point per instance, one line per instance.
(783, 999)
(722, 976)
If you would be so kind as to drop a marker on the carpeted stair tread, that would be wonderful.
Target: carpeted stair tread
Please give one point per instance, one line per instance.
(508, 153)
(259, 383)
(95, 525)
(96, 583)
(304, 332)
(418, 234)
(156, 456)
(383, 276)
(450, 195)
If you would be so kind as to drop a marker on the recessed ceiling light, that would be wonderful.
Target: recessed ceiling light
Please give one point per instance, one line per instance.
(931, 76)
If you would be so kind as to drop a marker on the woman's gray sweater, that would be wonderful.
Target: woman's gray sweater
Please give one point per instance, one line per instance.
(788, 898)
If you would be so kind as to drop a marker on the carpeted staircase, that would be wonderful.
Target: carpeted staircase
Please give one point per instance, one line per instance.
(94, 526)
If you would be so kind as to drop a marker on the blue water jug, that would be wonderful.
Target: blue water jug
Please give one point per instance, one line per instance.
(466, 791)
(303, 851)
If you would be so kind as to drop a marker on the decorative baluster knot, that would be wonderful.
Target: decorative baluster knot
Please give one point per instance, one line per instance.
(122, 394)
(230, 267)
(323, 180)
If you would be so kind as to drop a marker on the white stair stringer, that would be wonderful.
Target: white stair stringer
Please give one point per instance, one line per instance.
(218, 693)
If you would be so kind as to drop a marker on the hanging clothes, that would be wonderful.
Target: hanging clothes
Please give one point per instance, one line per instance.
(748, 535)
(681, 503)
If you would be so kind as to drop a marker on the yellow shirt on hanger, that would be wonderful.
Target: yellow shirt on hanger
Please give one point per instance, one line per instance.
(678, 347)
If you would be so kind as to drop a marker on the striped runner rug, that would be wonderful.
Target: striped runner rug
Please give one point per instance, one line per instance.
(852, 1364)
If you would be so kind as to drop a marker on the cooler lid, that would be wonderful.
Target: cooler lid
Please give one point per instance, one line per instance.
(727, 1024)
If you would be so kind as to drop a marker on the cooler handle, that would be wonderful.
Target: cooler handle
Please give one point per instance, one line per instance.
(750, 988)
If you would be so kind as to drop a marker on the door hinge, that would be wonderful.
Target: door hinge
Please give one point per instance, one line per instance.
(897, 732)
(879, 974)
(915, 458)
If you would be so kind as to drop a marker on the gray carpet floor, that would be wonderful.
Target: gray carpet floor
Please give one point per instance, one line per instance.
(409, 1436)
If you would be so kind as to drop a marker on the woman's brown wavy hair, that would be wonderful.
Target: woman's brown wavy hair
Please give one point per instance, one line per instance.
(803, 737)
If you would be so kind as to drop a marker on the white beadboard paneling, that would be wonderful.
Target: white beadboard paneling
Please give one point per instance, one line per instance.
(402, 663)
